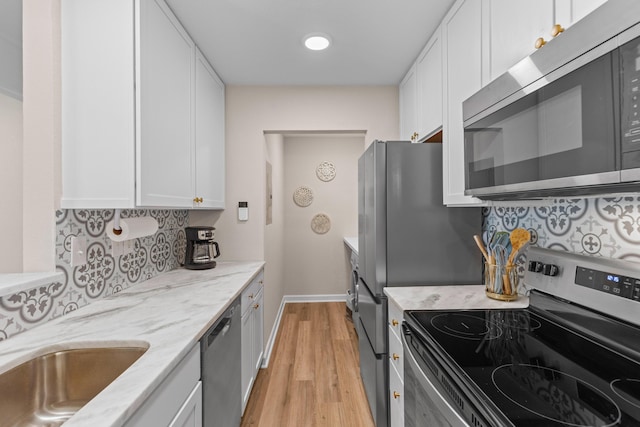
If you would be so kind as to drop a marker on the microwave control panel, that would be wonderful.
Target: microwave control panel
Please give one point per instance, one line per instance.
(630, 92)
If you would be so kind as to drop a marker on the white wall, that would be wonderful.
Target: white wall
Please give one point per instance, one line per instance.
(252, 110)
(11, 184)
(316, 263)
(274, 232)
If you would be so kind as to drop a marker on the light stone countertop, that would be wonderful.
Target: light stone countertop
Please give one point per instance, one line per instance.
(169, 312)
(453, 297)
(352, 242)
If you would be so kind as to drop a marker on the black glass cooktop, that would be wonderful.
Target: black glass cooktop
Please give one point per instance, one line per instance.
(532, 370)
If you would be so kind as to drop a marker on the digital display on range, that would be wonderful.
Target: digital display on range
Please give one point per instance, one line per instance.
(614, 284)
(612, 278)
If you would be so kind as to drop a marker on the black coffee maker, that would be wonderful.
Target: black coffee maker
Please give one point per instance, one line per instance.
(201, 248)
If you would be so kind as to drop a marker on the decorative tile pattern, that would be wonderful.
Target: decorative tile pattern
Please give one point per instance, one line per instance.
(607, 227)
(103, 274)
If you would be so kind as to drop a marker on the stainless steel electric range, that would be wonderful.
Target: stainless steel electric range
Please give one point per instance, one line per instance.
(572, 358)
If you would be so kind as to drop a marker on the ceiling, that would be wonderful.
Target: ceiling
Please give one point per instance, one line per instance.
(259, 42)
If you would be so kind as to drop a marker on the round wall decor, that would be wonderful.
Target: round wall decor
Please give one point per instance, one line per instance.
(321, 223)
(303, 196)
(326, 171)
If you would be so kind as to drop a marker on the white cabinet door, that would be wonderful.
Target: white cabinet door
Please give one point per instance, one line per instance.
(396, 398)
(252, 335)
(165, 71)
(429, 87)
(462, 77)
(209, 136)
(166, 405)
(568, 12)
(396, 366)
(247, 357)
(98, 100)
(513, 29)
(258, 341)
(408, 104)
(190, 414)
(510, 38)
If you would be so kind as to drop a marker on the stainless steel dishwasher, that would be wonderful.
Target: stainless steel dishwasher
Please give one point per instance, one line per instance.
(221, 363)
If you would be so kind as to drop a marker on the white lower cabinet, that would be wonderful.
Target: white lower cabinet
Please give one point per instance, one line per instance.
(396, 367)
(177, 402)
(252, 335)
(190, 415)
(396, 398)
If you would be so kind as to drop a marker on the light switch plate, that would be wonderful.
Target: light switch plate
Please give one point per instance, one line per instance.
(117, 248)
(129, 245)
(78, 251)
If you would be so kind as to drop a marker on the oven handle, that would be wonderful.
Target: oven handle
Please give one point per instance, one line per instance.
(447, 411)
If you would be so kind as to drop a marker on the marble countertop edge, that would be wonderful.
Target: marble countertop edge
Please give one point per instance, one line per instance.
(352, 243)
(449, 297)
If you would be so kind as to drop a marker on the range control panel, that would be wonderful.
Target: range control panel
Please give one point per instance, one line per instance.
(615, 284)
(607, 285)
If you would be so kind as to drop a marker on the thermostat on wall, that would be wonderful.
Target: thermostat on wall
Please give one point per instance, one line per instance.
(243, 211)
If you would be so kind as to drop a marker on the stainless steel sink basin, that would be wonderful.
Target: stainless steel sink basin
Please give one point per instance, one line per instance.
(47, 390)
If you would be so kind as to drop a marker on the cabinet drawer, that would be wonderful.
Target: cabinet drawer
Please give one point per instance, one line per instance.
(250, 293)
(396, 399)
(165, 402)
(395, 319)
(396, 355)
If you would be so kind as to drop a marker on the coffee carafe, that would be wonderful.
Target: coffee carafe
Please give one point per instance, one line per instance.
(201, 248)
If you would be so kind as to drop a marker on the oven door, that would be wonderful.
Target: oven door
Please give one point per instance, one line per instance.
(556, 133)
(433, 390)
(424, 405)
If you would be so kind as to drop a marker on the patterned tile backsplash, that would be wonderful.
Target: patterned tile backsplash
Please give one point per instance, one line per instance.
(103, 274)
(607, 227)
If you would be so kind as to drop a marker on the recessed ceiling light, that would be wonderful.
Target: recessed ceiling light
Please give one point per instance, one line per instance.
(317, 41)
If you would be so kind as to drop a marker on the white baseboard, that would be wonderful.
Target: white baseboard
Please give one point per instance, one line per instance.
(272, 336)
(294, 299)
(315, 298)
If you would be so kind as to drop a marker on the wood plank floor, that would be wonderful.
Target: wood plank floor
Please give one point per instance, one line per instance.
(313, 378)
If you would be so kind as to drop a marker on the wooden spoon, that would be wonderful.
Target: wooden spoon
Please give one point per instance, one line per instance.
(519, 237)
(481, 247)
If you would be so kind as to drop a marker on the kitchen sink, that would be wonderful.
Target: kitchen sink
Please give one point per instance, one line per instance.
(49, 389)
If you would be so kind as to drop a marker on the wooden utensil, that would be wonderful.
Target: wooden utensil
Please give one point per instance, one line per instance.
(519, 237)
(478, 241)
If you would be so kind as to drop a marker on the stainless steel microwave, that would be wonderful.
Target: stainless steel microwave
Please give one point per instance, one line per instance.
(564, 121)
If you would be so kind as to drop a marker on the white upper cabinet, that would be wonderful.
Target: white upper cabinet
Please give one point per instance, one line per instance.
(421, 93)
(568, 12)
(513, 28)
(142, 114)
(462, 77)
(429, 73)
(165, 72)
(209, 136)
(98, 104)
(517, 29)
(408, 105)
(477, 41)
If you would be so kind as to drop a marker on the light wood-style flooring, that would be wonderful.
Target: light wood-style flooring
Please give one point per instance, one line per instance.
(313, 378)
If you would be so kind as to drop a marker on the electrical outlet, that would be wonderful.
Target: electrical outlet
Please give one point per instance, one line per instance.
(129, 245)
(78, 251)
(117, 248)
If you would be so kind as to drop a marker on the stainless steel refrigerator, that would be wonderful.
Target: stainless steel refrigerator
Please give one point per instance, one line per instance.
(406, 238)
